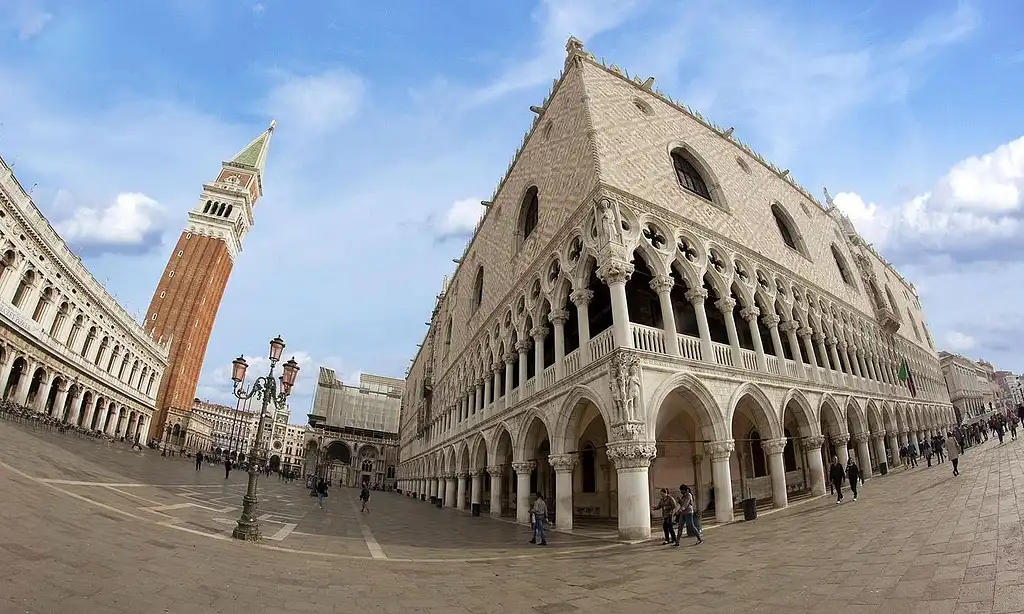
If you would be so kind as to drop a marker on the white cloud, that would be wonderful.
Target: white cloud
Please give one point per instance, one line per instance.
(258, 9)
(978, 204)
(461, 218)
(130, 220)
(28, 17)
(959, 341)
(315, 103)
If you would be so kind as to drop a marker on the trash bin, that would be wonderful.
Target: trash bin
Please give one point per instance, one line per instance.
(439, 502)
(432, 500)
(476, 509)
(883, 468)
(750, 509)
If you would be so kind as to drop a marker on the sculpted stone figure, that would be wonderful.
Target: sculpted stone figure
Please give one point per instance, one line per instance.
(607, 228)
(633, 393)
(624, 383)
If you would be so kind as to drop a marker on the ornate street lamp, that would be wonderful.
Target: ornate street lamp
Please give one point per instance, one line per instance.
(265, 389)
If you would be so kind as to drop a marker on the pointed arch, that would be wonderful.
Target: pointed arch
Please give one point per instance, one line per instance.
(562, 439)
(788, 229)
(532, 414)
(806, 415)
(478, 289)
(830, 412)
(691, 170)
(855, 416)
(709, 415)
(767, 420)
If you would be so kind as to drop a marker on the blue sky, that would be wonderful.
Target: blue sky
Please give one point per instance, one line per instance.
(394, 122)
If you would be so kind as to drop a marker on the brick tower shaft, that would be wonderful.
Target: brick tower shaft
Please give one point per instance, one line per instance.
(186, 300)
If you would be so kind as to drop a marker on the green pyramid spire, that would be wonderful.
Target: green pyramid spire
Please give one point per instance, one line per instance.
(255, 153)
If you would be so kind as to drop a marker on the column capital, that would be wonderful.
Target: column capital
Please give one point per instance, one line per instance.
(495, 471)
(538, 333)
(805, 332)
(771, 320)
(558, 317)
(631, 454)
(813, 442)
(524, 467)
(720, 450)
(726, 304)
(563, 463)
(842, 345)
(862, 437)
(463, 475)
(817, 337)
(788, 326)
(831, 341)
(613, 271)
(581, 296)
(497, 367)
(840, 440)
(662, 284)
(510, 357)
(523, 346)
(750, 313)
(696, 295)
(480, 382)
(773, 446)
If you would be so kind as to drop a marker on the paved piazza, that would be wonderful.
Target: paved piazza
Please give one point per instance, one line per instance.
(96, 528)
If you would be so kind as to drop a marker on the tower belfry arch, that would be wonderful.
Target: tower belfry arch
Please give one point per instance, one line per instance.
(187, 297)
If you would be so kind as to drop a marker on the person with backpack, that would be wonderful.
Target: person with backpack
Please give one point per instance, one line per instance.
(321, 492)
(669, 508)
(687, 509)
(364, 496)
(853, 474)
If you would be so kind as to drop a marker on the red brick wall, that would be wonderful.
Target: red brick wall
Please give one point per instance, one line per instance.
(185, 306)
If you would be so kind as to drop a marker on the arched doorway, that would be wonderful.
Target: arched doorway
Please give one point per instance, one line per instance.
(275, 463)
(17, 371)
(590, 497)
(368, 457)
(759, 449)
(503, 486)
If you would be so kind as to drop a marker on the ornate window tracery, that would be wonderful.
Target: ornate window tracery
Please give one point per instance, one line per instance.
(688, 176)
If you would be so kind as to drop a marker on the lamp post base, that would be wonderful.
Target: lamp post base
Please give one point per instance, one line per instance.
(248, 527)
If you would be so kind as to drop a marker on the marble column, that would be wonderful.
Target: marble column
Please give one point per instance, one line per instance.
(772, 322)
(632, 460)
(880, 456)
(475, 488)
(449, 490)
(697, 298)
(726, 305)
(76, 407)
(523, 470)
(460, 493)
(776, 470)
(478, 398)
(25, 381)
(496, 375)
(805, 334)
(538, 333)
(750, 314)
(485, 399)
(662, 285)
(497, 473)
(863, 454)
(840, 441)
(839, 376)
(721, 476)
(43, 394)
(510, 360)
(789, 328)
(812, 449)
(523, 347)
(581, 299)
(558, 318)
(58, 403)
(5, 371)
(614, 273)
(819, 343)
(563, 464)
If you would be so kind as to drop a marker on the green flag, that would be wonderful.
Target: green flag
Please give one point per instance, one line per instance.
(904, 372)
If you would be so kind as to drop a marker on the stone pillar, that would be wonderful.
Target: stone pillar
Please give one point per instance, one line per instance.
(558, 318)
(485, 398)
(496, 374)
(478, 398)
(60, 401)
(21, 394)
(789, 328)
(5, 371)
(726, 305)
(475, 488)
(662, 284)
(805, 334)
(772, 322)
(497, 472)
(523, 471)
(819, 342)
(812, 448)
(510, 359)
(614, 273)
(894, 449)
(721, 476)
(697, 297)
(581, 299)
(523, 347)
(863, 454)
(839, 376)
(840, 441)
(460, 493)
(449, 490)
(45, 384)
(563, 464)
(750, 314)
(880, 455)
(538, 333)
(776, 470)
(632, 460)
(94, 411)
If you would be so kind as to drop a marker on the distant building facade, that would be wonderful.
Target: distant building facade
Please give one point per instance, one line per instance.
(232, 428)
(355, 437)
(966, 383)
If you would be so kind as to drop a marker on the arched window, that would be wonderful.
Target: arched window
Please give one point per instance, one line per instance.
(149, 386)
(44, 301)
(530, 213)
(142, 377)
(113, 357)
(227, 212)
(786, 227)
(588, 468)
(758, 467)
(58, 320)
(7, 262)
(220, 209)
(892, 302)
(28, 280)
(448, 335)
(103, 348)
(917, 333)
(76, 328)
(789, 454)
(89, 338)
(124, 365)
(844, 271)
(687, 174)
(209, 204)
(478, 289)
(131, 375)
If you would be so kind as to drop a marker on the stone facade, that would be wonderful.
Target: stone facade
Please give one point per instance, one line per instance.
(231, 428)
(67, 348)
(647, 302)
(186, 300)
(967, 385)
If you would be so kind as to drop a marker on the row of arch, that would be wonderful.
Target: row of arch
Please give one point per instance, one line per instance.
(218, 209)
(78, 334)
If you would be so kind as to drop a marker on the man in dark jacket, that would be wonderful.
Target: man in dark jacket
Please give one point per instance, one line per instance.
(836, 475)
(853, 475)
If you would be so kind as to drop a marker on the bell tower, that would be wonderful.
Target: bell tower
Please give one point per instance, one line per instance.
(186, 300)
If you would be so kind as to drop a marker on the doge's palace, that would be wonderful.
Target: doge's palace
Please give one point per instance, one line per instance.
(646, 302)
(67, 348)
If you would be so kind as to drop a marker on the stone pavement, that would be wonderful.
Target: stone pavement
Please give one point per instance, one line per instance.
(95, 529)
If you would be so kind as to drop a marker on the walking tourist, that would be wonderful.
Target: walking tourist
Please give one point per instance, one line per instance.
(669, 508)
(836, 475)
(199, 461)
(912, 454)
(926, 450)
(953, 451)
(539, 514)
(687, 511)
(227, 468)
(364, 496)
(853, 475)
(321, 492)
